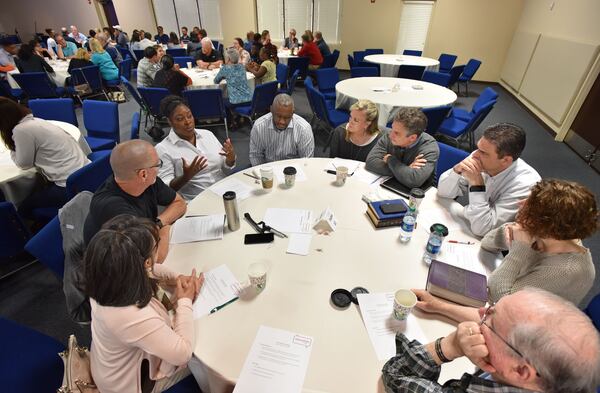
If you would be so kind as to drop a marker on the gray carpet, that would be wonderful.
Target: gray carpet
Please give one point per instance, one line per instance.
(34, 296)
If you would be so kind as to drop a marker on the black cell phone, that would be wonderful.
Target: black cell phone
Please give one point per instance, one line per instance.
(393, 208)
(258, 238)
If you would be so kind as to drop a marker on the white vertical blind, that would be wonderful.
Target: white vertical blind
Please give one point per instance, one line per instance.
(210, 15)
(187, 14)
(298, 15)
(414, 24)
(165, 15)
(270, 17)
(327, 19)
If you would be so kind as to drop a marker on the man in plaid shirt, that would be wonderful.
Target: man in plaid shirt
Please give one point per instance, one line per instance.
(530, 341)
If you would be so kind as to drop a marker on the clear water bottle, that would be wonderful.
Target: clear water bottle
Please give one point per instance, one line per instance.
(408, 225)
(436, 237)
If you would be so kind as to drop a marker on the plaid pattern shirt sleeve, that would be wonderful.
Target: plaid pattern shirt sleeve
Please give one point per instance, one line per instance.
(413, 370)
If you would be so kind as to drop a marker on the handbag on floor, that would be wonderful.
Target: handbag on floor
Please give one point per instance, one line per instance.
(78, 375)
(117, 96)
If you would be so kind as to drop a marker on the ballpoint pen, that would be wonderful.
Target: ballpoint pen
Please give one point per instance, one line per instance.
(459, 242)
(223, 305)
(252, 176)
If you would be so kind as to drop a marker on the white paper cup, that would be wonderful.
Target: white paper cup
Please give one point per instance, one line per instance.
(266, 177)
(189, 65)
(341, 173)
(257, 273)
(404, 301)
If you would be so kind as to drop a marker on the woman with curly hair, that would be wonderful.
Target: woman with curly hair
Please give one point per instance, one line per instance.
(544, 248)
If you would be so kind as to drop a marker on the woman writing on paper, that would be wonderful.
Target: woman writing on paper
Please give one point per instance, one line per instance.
(544, 248)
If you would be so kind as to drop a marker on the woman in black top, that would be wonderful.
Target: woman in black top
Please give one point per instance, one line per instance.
(81, 59)
(170, 76)
(194, 45)
(355, 139)
(29, 61)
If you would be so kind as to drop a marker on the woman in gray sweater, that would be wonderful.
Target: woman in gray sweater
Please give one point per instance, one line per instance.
(544, 248)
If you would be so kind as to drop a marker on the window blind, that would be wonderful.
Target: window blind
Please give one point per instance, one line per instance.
(414, 24)
(270, 17)
(327, 19)
(165, 15)
(187, 15)
(210, 16)
(298, 15)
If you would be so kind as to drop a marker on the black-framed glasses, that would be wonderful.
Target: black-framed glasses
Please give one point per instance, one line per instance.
(159, 165)
(489, 311)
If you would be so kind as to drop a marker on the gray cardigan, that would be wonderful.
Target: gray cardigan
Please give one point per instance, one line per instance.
(398, 163)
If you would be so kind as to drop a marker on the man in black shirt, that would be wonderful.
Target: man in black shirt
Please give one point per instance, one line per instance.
(208, 57)
(161, 37)
(136, 189)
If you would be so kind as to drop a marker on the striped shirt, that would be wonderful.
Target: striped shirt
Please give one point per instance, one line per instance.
(268, 144)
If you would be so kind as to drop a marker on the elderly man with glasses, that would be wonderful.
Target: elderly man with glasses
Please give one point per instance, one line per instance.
(136, 189)
(530, 341)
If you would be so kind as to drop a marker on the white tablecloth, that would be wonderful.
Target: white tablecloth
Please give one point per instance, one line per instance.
(204, 79)
(379, 90)
(284, 55)
(60, 73)
(297, 294)
(389, 64)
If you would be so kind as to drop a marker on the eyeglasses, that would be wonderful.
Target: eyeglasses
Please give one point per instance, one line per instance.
(489, 311)
(159, 165)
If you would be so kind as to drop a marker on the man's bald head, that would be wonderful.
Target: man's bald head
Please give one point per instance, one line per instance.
(127, 157)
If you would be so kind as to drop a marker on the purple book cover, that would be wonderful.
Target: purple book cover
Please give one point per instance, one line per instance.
(458, 280)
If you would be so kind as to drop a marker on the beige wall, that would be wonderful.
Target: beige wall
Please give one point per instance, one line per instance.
(237, 17)
(481, 29)
(135, 14)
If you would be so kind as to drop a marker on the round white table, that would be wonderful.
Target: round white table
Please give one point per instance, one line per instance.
(59, 77)
(284, 55)
(390, 94)
(297, 294)
(204, 79)
(389, 64)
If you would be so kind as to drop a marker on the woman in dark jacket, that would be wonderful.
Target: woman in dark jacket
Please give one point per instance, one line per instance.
(170, 76)
(29, 61)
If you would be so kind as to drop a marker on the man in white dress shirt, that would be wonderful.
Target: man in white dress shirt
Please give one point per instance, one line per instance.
(280, 134)
(494, 177)
(80, 38)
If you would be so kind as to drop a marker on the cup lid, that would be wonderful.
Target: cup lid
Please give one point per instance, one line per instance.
(440, 229)
(417, 193)
(356, 291)
(289, 170)
(341, 298)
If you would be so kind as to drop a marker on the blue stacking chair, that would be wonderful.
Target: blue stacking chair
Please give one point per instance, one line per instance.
(30, 362)
(410, 52)
(125, 69)
(455, 128)
(363, 64)
(207, 104)
(455, 74)
(350, 61)
(291, 83)
(411, 72)
(139, 54)
(487, 95)
(90, 177)
(359, 55)
(332, 117)
(177, 52)
(328, 61)
(261, 101)
(327, 78)
(183, 60)
(593, 311)
(124, 52)
(449, 156)
(282, 75)
(439, 78)
(358, 72)
(152, 96)
(135, 126)
(90, 75)
(468, 73)
(46, 246)
(101, 120)
(186, 385)
(13, 233)
(435, 117)
(136, 96)
(377, 51)
(298, 63)
(60, 109)
(308, 83)
(38, 85)
(446, 62)
(336, 56)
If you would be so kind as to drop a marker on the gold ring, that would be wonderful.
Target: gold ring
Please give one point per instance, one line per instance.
(470, 331)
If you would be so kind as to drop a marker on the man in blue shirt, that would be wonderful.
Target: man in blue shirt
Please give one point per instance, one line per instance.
(80, 38)
(161, 37)
(66, 49)
(323, 47)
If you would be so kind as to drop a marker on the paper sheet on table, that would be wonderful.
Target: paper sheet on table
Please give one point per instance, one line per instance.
(277, 362)
(289, 220)
(350, 164)
(241, 189)
(377, 312)
(278, 172)
(220, 286)
(465, 256)
(299, 243)
(196, 229)
(428, 217)
(363, 175)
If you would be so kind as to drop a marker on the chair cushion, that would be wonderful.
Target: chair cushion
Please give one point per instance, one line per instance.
(60, 91)
(243, 110)
(453, 127)
(462, 114)
(100, 143)
(338, 117)
(96, 155)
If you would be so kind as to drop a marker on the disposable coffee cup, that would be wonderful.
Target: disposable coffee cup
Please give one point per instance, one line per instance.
(341, 173)
(189, 65)
(289, 172)
(257, 274)
(416, 197)
(266, 177)
(404, 301)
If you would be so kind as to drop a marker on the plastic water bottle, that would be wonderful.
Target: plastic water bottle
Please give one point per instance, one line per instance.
(408, 225)
(436, 237)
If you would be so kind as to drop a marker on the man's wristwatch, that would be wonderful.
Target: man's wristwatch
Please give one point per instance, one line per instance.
(477, 188)
(159, 222)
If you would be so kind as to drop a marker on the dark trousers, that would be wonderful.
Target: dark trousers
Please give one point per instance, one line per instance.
(46, 194)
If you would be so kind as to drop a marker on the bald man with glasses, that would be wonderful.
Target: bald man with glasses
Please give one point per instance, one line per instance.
(135, 189)
(530, 341)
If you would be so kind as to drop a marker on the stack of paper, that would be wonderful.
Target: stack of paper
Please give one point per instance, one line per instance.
(196, 229)
(241, 189)
(296, 223)
(220, 287)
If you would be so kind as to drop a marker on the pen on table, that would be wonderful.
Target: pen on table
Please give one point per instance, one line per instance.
(459, 242)
(223, 305)
(252, 176)
(332, 172)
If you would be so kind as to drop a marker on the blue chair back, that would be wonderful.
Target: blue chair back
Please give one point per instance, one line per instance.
(282, 74)
(358, 72)
(139, 54)
(33, 364)
(377, 51)
(435, 117)
(152, 97)
(470, 70)
(176, 52)
(487, 95)
(449, 156)
(90, 75)
(593, 311)
(36, 84)
(359, 55)
(308, 84)
(134, 93)
(336, 56)
(411, 72)
(13, 233)
(61, 109)
(90, 177)
(291, 83)
(206, 103)
(327, 78)
(46, 246)
(446, 62)
(101, 119)
(183, 60)
(455, 74)
(439, 78)
(366, 64)
(125, 68)
(350, 61)
(328, 61)
(410, 52)
(186, 385)
(263, 97)
(135, 125)
(124, 52)
(298, 63)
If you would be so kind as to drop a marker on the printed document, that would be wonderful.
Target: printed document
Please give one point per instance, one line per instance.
(241, 189)
(277, 362)
(196, 229)
(289, 220)
(220, 286)
(299, 243)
